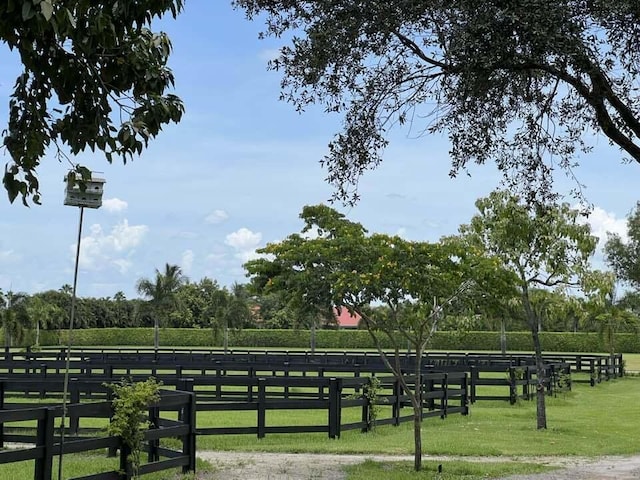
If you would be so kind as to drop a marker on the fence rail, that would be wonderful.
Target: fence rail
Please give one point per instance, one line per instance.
(47, 443)
(599, 366)
(443, 394)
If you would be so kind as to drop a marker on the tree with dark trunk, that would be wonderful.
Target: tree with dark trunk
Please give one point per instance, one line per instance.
(94, 76)
(521, 83)
(544, 247)
(418, 282)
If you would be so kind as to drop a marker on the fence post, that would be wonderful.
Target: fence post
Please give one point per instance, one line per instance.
(365, 408)
(552, 379)
(426, 387)
(513, 388)
(620, 365)
(474, 376)
(74, 394)
(397, 404)
(444, 404)
(218, 386)
(335, 407)
(320, 387)
(189, 440)
(154, 423)
(464, 401)
(2, 408)
(262, 404)
(184, 385)
(125, 464)
(43, 373)
(44, 438)
(112, 451)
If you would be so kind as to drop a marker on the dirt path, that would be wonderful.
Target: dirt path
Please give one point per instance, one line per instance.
(287, 466)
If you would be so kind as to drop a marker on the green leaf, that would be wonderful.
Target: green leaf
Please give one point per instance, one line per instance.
(72, 19)
(27, 11)
(47, 9)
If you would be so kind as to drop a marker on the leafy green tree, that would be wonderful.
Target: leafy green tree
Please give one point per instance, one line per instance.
(272, 310)
(623, 257)
(630, 301)
(603, 309)
(544, 246)
(301, 272)
(233, 312)
(14, 317)
(43, 315)
(343, 266)
(522, 83)
(161, 293)
(94, 76)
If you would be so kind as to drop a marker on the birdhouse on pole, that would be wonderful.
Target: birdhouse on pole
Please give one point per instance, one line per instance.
(83, 193)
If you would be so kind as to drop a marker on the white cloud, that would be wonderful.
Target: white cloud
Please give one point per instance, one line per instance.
(215, 257)
(402, 232)
(123, 265)
(187, 261)
(114, 205)
(7, 256)
(602, 222)
(245, 242)
(100, 250)
(215, 217)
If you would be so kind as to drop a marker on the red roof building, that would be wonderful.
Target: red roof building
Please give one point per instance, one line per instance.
(345, 319)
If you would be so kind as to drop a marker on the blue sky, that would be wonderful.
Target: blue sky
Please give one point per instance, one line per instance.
(235, 174)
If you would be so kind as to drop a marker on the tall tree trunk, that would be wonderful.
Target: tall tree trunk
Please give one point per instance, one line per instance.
(532, 318)
(541, 409)
(313, 337)
(503, 337)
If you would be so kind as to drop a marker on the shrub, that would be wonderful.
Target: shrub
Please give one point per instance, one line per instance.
(337, 339)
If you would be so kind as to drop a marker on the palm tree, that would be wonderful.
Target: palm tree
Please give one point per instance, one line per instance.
(14, 316)
(162, 295)
(237, 312)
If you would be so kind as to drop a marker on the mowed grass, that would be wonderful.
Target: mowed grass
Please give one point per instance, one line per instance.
(450, 470)
(589, 421)
(78, 465)
(632, 361)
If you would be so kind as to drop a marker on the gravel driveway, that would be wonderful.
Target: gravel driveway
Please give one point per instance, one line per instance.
(287, 466)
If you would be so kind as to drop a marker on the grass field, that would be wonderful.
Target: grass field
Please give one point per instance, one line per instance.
(589, 421)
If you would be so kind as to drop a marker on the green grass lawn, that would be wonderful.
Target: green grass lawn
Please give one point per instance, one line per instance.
(632, 361)
(451, 470)
(588, 421)
(86, 463)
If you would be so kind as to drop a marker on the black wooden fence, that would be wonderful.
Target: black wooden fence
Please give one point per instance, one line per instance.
(599, 366)
(47, 441)
(442, 394)
(487, 373)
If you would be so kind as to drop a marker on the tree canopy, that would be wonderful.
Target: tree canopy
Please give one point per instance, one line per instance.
(624, 256)
(523, 83)
(334, 262)
(162, 294)
(94, 76)
(544, 247)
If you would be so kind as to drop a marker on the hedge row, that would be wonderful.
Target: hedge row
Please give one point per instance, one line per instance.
(341, 339)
